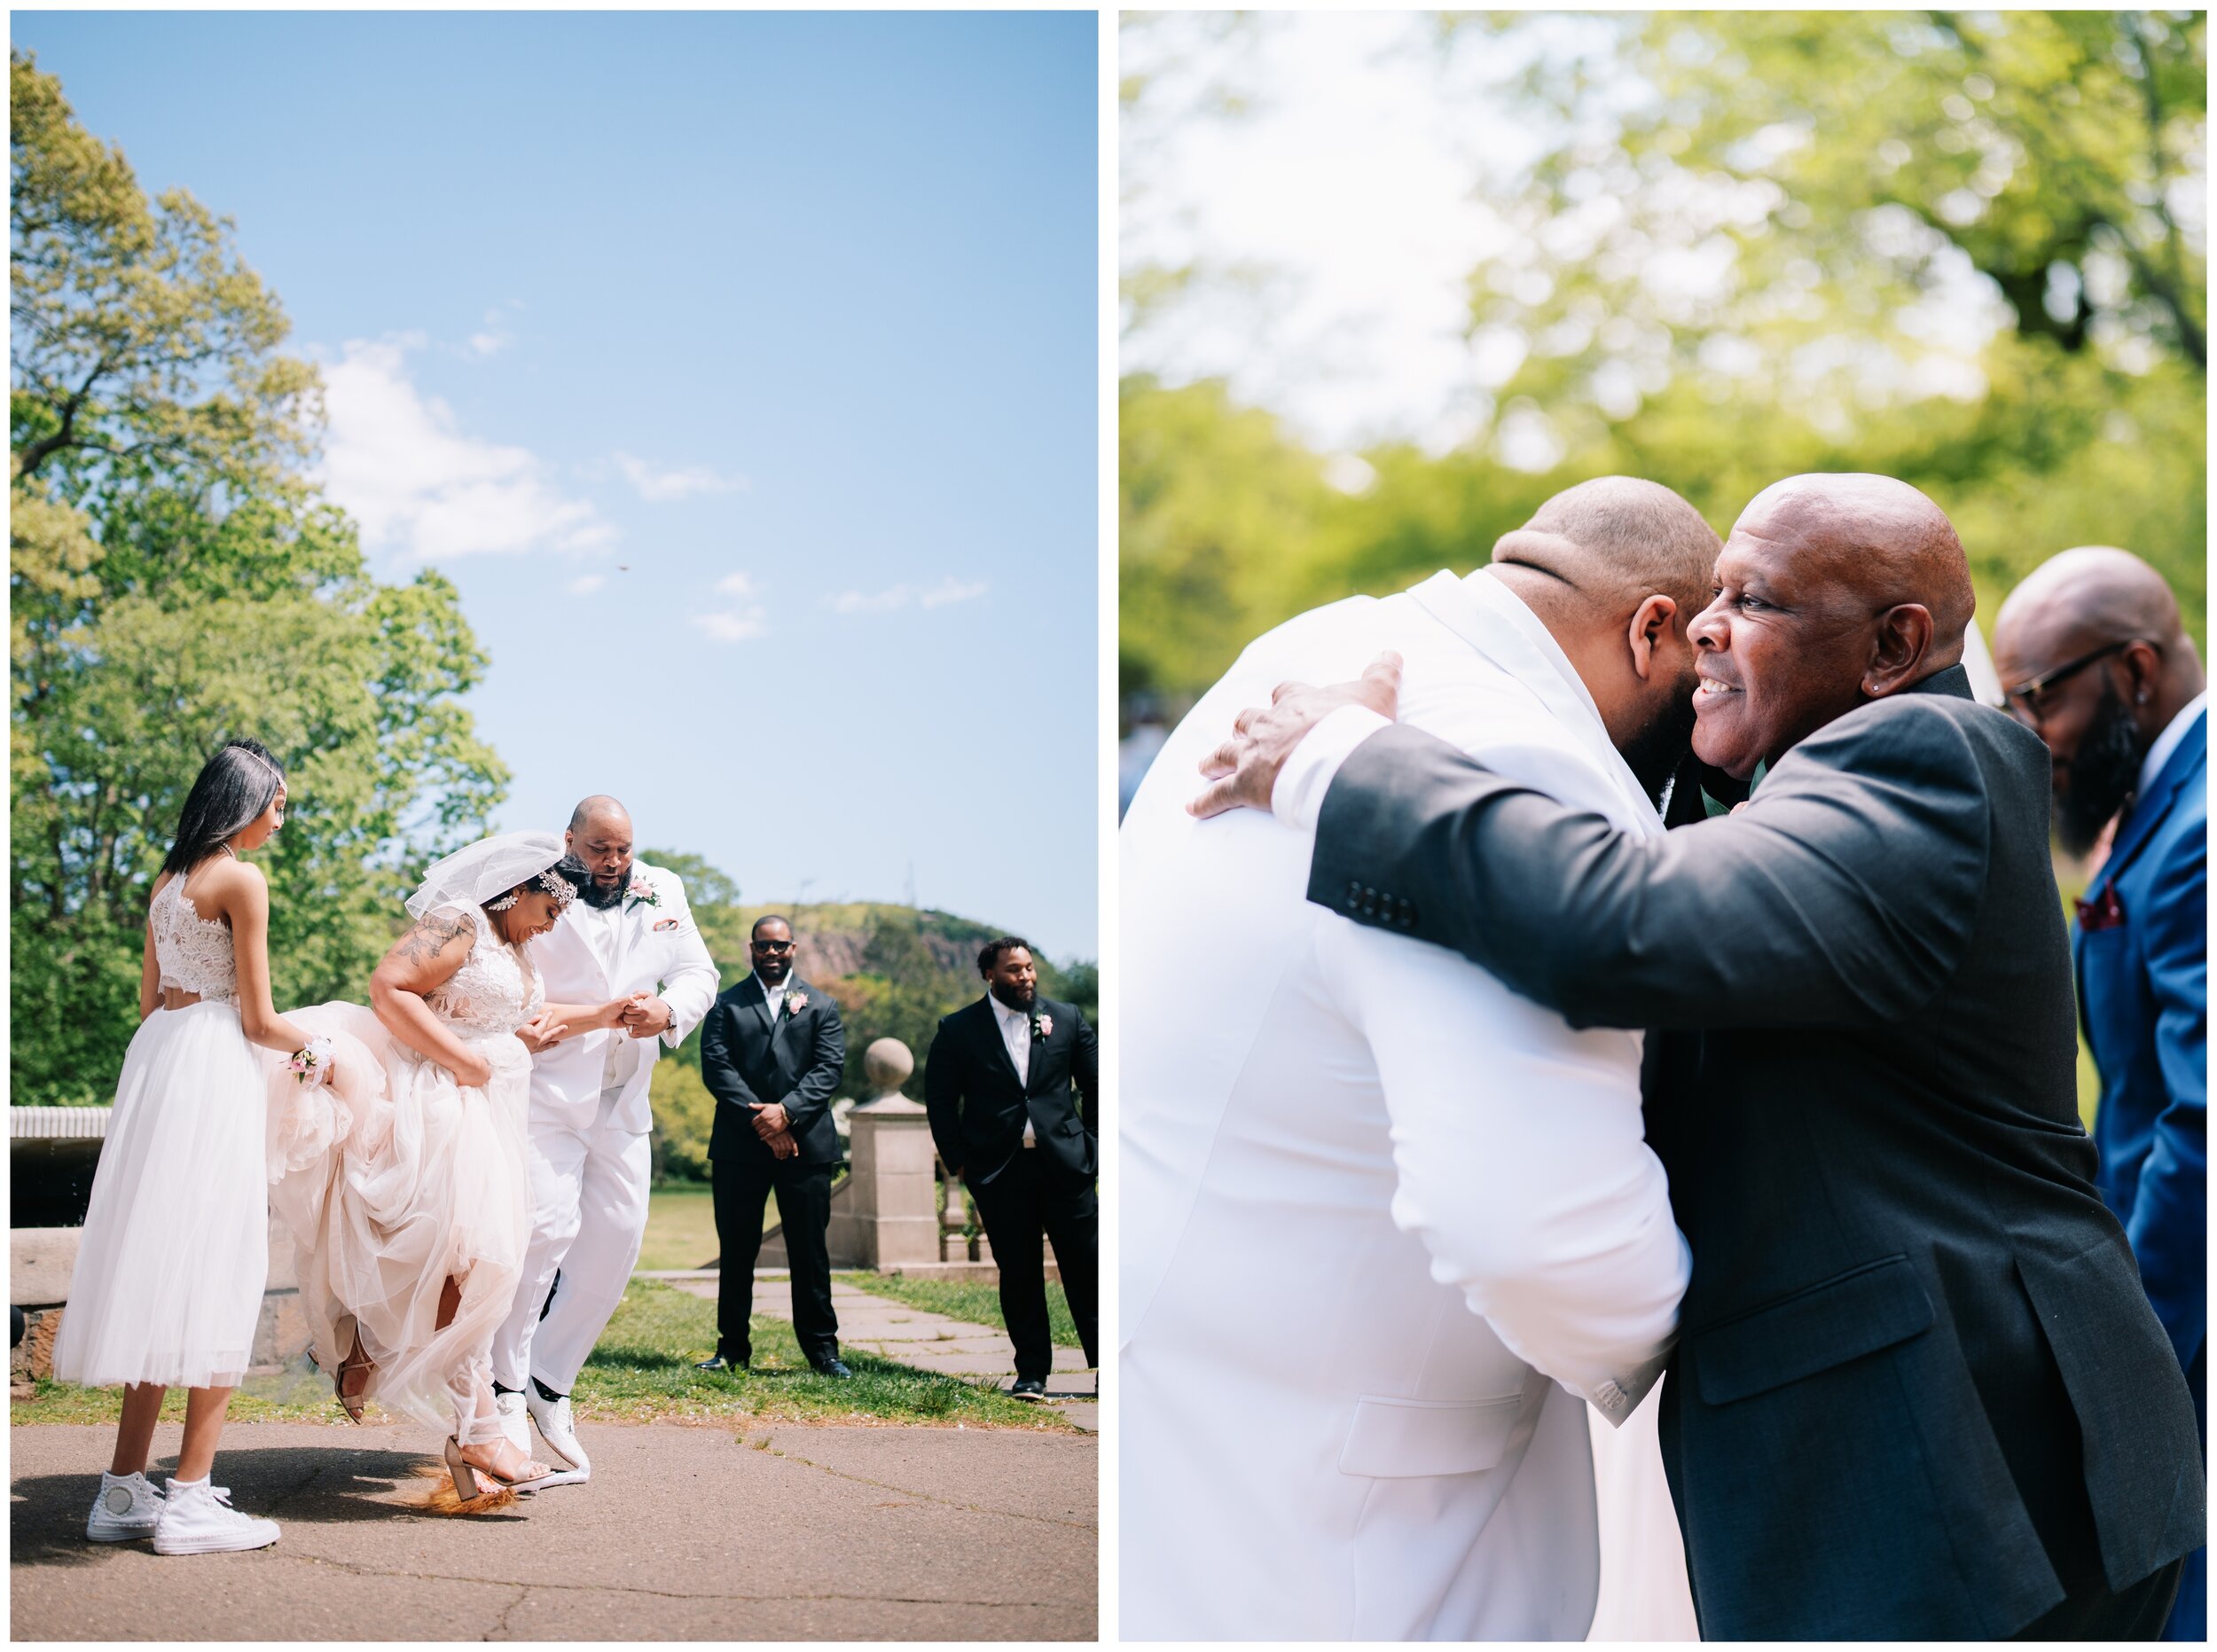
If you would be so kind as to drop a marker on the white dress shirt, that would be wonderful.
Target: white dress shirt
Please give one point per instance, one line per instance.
(1371, 1200)
(773, 998)
(1015, 1035)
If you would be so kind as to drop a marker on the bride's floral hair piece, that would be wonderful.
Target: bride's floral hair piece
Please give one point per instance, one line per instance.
(556, 881)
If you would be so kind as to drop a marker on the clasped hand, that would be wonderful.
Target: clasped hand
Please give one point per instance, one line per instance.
(1246, 767)
(775, 1125)
(644, 1016)
(540, 1031)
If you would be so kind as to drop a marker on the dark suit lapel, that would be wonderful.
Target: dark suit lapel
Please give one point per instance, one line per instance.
(752, 997)
(789, 1015)
(990, 1023)
(1039, 1046)
(2185, 765)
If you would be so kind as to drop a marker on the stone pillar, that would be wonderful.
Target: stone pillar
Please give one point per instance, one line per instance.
(895, 1200)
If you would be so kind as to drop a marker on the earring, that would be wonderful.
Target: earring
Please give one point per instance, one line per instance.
(503, 904)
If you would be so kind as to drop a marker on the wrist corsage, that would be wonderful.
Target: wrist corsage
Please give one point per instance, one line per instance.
(308, 1065)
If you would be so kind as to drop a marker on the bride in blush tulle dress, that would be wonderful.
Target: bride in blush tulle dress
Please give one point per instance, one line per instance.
(404, 1180)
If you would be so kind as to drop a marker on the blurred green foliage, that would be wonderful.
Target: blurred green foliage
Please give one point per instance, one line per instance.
(177, 580)
(1849, 183)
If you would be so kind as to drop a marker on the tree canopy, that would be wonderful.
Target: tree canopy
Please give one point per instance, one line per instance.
(1962, 249)
(177, 580)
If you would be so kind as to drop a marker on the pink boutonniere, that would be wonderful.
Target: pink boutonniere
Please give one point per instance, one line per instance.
(796, 1002)
(642, 892)
(1043, 1026)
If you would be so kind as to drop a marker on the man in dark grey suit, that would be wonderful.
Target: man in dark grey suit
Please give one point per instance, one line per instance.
(1919, 1392)
(773, 1053)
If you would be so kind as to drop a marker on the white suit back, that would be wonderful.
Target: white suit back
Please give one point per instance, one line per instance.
(1339, 1149)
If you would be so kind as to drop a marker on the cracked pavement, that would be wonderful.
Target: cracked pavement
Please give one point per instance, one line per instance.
(685, 1532)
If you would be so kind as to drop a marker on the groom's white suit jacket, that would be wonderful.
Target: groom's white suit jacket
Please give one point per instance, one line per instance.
(1341, 1148)
(589, 957)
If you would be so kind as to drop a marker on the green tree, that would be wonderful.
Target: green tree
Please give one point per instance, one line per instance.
(685, 1117)
(1729, 265)
(176, 579)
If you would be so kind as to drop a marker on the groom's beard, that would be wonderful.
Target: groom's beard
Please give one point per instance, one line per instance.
(601, 896)
(1656, 751)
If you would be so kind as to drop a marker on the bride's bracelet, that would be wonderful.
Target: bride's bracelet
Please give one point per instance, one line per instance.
(307, 1065)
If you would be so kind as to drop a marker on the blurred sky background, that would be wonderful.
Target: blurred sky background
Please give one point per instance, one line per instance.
(741, 372)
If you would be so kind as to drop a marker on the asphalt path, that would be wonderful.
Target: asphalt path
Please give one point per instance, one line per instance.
(687, 1532)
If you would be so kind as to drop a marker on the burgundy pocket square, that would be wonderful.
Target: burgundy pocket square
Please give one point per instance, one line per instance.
(2105, 913)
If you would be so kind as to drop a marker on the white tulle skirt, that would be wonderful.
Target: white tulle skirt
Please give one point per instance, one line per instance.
(392, 1180)
(175, 1247)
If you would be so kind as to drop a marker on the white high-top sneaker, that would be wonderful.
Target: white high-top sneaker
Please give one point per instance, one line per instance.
(197, 1518)
(514, 1423)
(127, 1506)
(571, 1465)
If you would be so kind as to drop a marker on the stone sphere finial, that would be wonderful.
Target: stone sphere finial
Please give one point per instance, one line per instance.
(887, 1064)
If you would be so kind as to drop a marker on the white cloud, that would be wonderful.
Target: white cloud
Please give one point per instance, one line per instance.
(948, 590)
(398, 462)
(493, 338)
(736, 585)
(586, 585)
(659, 486)
(732, 627)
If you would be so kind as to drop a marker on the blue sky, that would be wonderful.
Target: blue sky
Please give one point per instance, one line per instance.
(740, 369)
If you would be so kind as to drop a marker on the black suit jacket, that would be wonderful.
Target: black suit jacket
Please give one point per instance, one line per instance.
(1912, 1332)
(745, 1061)
(978, 1109)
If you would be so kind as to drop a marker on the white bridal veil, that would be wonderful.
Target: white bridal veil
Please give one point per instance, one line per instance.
(486, 870)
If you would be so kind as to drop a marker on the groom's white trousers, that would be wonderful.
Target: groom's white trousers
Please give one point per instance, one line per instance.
(588, 1218)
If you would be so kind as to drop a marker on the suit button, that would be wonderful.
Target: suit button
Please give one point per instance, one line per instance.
(1369, 895)
(1609, 1395)
(1407, 915)
(1354, 893)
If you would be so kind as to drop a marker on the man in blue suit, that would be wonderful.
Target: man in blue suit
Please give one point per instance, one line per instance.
(2094, 657)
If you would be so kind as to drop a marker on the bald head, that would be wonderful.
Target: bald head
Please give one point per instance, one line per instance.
(2098, 593)
(599, 836)
(2094, 657)
(1875, 540)
(1608, 544)
(1832, 591)
(599, 810)
(1615, 568)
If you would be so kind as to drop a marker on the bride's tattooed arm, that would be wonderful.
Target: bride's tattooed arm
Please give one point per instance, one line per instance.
(420, 963)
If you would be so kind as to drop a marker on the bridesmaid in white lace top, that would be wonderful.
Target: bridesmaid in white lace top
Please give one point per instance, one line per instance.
(166, 1289)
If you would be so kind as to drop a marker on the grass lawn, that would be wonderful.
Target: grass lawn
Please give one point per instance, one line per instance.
(979, 1303)
(681, 1227)
(641, 1371)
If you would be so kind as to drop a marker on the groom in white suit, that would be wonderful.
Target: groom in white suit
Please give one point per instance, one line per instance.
(1388, 1228)
(629, 934)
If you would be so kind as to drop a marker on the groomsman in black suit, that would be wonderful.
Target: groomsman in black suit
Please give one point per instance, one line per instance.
(772, 1052)
(1002, 1085)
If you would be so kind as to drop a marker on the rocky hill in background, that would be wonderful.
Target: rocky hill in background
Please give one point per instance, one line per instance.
(894, 969)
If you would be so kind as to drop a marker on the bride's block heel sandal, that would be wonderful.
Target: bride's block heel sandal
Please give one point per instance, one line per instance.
(470, 1481)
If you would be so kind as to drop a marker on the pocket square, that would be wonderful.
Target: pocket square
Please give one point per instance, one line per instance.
(2105, 913)
(666, 923)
